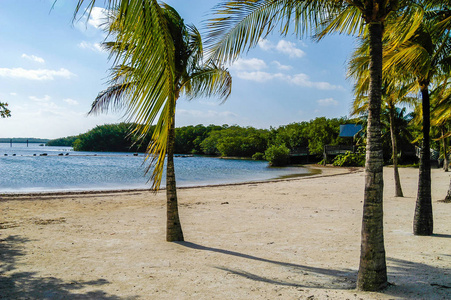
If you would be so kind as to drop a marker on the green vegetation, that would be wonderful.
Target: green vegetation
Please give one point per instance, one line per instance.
(66, 141)
(350, 159)
(225, 140)
(277, 156)
(235, 141)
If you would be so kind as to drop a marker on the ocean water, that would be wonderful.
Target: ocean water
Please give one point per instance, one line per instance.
(23, 169)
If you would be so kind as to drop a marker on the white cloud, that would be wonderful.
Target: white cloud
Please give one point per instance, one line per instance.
(33, 58)
(327, 102)
(38, 74)
(98, 17)
(297, 79)
(70, 101)
(289, 48)
(46, 98)
(259, 76)
(13, 94)
(282, 67)
(304, 80)
(265, 44)
(97, 47)
(283, 46)
(249, 64)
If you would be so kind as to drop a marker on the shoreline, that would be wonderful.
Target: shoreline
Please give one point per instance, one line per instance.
(319, 171)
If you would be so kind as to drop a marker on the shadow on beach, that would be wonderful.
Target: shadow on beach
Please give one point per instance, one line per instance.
(408, 280)
(320, 278)
(30, 285)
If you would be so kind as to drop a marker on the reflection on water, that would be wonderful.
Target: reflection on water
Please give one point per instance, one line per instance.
(25, 169)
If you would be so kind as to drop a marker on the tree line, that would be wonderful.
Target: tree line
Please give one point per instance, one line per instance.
(225, 140)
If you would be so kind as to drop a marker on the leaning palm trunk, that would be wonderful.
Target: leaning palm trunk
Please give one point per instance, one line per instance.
(398, 189)
(423, 221)
(372, 274)
(173, 226)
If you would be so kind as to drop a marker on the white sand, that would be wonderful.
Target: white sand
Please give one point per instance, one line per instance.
(288, 239)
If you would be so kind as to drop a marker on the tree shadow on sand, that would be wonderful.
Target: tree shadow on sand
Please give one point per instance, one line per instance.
(310, 277)
(413, 280)
(408, 280)
(29, 285)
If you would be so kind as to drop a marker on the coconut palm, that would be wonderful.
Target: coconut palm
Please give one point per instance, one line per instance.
(421, 57)
(392, 95)
(240, 24)
(157, 59)
(441, 114)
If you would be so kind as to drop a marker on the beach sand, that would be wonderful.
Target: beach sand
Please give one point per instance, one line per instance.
(286, 239)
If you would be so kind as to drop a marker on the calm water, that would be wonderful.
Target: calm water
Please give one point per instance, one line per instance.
(25, 172)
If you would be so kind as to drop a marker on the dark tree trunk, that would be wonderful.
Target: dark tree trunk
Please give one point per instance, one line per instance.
(423, 222)
(173, 226)
(448, 196)
(445, 152)
(372, 274)
(394, 143)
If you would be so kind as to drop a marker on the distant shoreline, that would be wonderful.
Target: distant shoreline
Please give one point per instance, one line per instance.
(315, 171)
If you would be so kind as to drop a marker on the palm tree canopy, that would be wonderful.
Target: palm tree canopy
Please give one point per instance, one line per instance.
(157, 58)
(239, 25)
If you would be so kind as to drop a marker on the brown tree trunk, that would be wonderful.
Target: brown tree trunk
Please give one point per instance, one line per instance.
(423, 221)
(372, 274)
(445, 152)
(394, 143)
(173, 226)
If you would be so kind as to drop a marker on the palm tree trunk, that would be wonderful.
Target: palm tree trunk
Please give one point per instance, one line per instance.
(423, 221)
(445, 152)
(448, 196)
(372, 274)
(173, 226)
(394, 143)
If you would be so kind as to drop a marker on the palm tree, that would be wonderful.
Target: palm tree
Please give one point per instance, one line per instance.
(4, 111)
(441, 114)
(240, 24)
(422, 56)
(392, 95)
(158, 59)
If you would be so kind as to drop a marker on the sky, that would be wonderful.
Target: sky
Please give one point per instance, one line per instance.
(51, 70)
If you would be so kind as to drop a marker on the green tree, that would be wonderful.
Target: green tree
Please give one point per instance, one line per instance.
(240, 25)
(419, 57)
(157, 59)
(277, 156)
(441, 114)
(4, 111)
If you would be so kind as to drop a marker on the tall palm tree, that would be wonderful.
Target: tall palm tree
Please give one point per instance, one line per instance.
(442, 118)
(157, 59)
(422, 56)
(240, 24)
(441, 114)
(391, 96)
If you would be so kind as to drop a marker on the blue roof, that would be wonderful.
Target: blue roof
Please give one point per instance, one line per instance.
(349, 130)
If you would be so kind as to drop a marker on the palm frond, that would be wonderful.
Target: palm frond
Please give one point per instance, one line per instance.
(208, 81)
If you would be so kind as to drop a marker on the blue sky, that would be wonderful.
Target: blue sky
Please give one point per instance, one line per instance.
(51, 70)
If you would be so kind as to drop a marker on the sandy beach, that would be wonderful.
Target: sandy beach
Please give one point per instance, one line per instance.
(295, 238)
